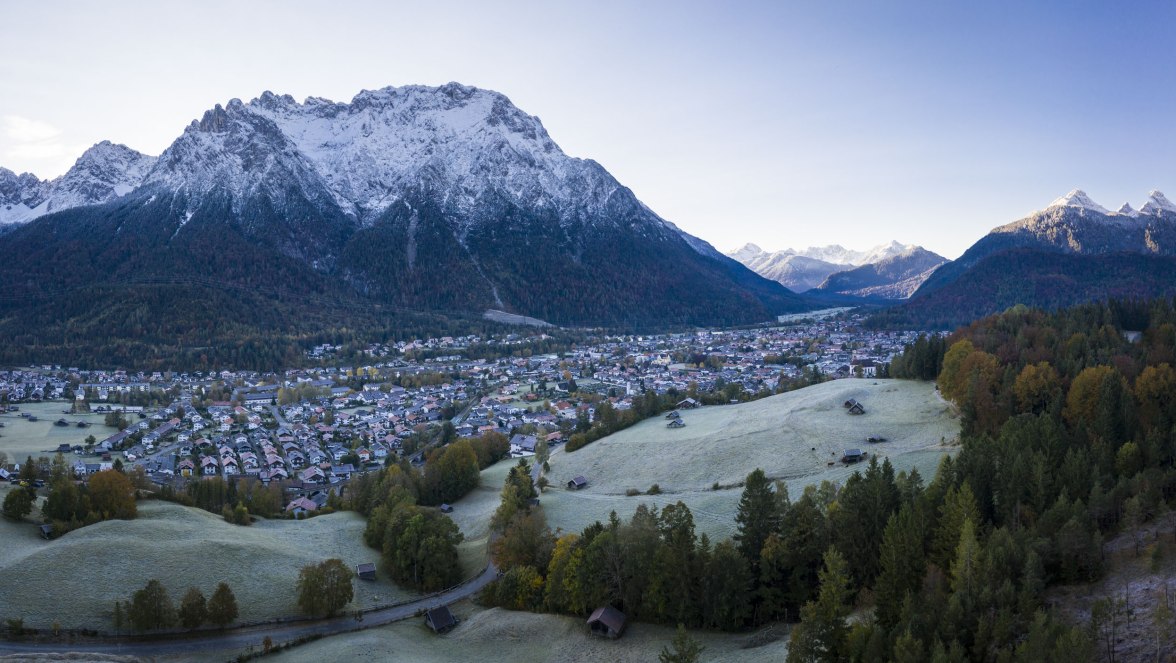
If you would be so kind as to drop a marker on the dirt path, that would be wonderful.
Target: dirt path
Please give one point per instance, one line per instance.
(241, 638)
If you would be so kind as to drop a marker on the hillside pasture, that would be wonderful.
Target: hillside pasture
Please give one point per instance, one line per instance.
(503, 636)
(21, 438)
(793, 437)
(97, 565)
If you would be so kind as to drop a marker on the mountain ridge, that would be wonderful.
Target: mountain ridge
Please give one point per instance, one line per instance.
(1071, 251)
(417, 198)
(814, 267)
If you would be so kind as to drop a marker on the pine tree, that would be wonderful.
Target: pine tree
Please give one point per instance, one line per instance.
(761, 511)
(902, 565)
(686, 649)
(822, 633)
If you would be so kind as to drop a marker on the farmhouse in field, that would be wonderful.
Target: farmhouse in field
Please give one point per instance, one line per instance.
(687, 404)
(577, 483)
(46, 531)
(857, 408)
(366, 571)
(607, 622)
(676, 423)
(440, 619)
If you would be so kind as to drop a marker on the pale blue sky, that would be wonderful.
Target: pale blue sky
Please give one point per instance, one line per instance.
(785, 124)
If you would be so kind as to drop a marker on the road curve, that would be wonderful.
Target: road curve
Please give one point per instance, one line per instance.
(243, 637)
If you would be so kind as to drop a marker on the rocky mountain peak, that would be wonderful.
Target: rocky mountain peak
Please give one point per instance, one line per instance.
(1077, 198)
(1156, 204)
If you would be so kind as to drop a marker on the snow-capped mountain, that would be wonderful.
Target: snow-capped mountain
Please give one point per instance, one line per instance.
(795, 272)
(428, 198)
(895, 276)
(810, 268)
(365, 155)
(1071, 251)
(104, 172)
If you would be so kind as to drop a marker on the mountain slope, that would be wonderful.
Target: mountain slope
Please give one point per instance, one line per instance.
(893, 277)
(888, 271)
(1073, 251)
(1048, 280)
(442, 199)
(104, 172)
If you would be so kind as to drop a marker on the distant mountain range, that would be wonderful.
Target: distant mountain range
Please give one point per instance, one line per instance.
(888, 271)
(446, 199)
(1073, 251)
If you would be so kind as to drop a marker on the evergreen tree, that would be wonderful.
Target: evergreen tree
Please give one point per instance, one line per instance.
(902, 565)
(761, 511)
(686, 649)
(822, 633)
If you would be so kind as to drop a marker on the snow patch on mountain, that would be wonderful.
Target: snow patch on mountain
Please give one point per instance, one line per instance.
(104, 172)
(1157, 203)
(1077, 198)
(809, 268)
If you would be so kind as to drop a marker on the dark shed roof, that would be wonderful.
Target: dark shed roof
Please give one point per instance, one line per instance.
(440, 619)
(607, 620)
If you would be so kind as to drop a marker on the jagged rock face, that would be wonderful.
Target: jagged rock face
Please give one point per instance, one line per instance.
(104, 172)
(436, 198)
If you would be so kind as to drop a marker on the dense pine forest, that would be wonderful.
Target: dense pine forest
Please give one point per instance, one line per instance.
(1068, 438)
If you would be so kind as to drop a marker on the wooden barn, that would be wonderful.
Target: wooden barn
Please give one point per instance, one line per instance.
(607, 622)
(577, 483)
(857, 408)
(440, 619)
(853, 456)
(366, 571)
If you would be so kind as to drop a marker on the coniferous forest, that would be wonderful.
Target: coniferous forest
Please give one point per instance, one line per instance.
(1067, 439)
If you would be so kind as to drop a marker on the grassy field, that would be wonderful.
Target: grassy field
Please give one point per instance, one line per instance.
(791, 436)
(501, 636)
(20, 438)
(97, 565)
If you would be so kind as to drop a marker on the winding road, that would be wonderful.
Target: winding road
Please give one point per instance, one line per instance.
(243, 637)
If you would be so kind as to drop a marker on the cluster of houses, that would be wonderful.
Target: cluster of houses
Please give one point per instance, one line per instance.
(240, 423)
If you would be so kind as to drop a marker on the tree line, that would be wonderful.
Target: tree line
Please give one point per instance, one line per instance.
(152, 609)
(1068, 436)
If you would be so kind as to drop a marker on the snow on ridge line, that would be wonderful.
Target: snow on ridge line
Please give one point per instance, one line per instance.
(1078, 199)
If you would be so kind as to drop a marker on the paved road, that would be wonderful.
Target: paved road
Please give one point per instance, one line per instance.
(278, 416)
(241, 638)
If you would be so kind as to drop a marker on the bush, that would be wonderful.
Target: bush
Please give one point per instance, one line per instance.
(654, 490)
(632, 492)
